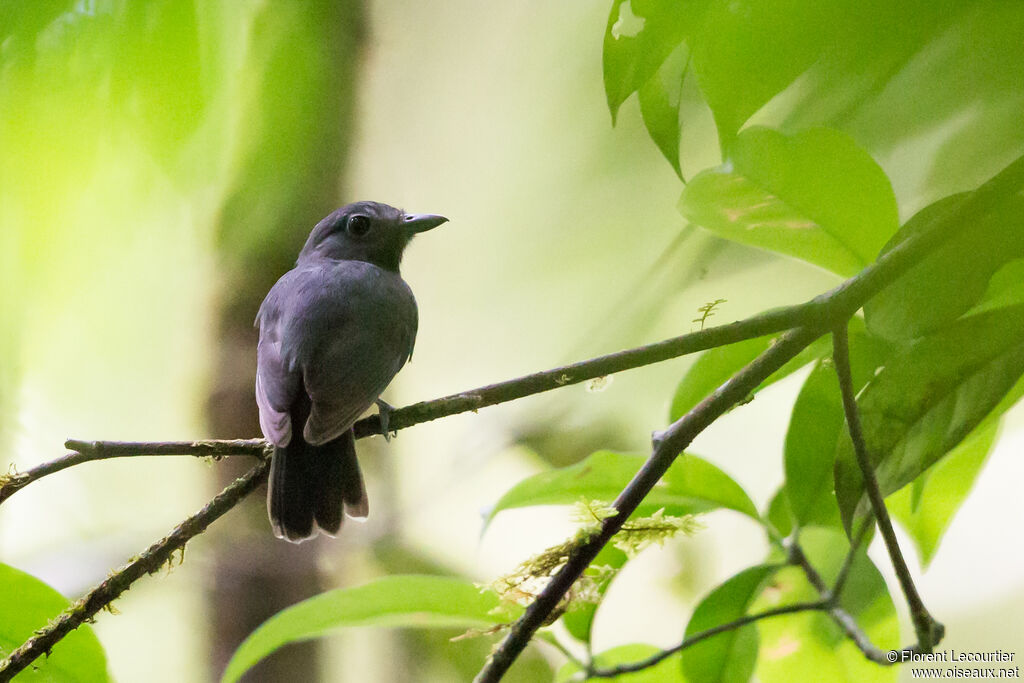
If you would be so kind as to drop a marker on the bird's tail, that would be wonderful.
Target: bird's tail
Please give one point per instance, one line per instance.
(311, 487)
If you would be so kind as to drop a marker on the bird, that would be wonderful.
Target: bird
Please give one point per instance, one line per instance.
(333, 333)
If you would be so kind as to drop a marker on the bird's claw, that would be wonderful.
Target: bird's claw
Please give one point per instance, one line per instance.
(384, 411)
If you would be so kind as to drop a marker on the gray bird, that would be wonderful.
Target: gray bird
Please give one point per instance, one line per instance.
(334, 331)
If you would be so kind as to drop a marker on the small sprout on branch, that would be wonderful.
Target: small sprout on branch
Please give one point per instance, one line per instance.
(599, 384)
(707, 310)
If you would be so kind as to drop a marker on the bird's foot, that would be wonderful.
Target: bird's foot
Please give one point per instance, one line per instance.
(384, 410)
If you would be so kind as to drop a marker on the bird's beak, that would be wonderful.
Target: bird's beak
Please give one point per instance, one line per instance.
(421, 222)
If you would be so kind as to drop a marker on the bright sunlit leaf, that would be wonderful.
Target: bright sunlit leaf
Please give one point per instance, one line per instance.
(815, 195)
(640, 35)
(747, 51)
(660, 98)
(26, 604)
(691, 485)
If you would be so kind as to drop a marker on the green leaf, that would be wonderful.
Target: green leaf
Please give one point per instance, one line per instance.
(728, 656)
(580, 621)
(713, 367)
(953, 277)
(666, 671)
(878, 82)
(778, 513)
(945, 487)
(29, 604)
(394, 601)
(746, 51)
(814, 429)
(660, 98)
(808, 646)
(809, 451)
(1006, 288)
(640, 36)
(927, 399)
(690, 486)
(815, 195)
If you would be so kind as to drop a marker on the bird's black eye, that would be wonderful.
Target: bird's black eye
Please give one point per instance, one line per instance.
(358, 226)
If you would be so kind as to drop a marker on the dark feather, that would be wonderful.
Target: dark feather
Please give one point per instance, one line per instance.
(311, 487)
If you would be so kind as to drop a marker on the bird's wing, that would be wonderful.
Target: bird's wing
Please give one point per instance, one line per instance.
(370, 340)
(276, 385)
(349, 388)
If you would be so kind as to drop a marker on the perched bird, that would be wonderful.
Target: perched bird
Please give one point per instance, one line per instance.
(334, 331)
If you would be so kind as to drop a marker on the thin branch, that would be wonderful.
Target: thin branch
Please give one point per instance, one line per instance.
(669, 445)
(151, 560)
(769, 322)
(88, 451)
(425, 411)
(928, 630)
(689, 641)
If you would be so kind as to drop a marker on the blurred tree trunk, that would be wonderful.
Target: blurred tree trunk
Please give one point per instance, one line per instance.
(298, 128)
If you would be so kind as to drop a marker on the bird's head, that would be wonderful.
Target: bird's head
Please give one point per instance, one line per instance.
(367, 231)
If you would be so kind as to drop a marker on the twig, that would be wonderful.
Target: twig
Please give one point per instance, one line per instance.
(843, 619)
(689, 641)
(928, 630)
(88, 451)
(668, 446)
(151, 560)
